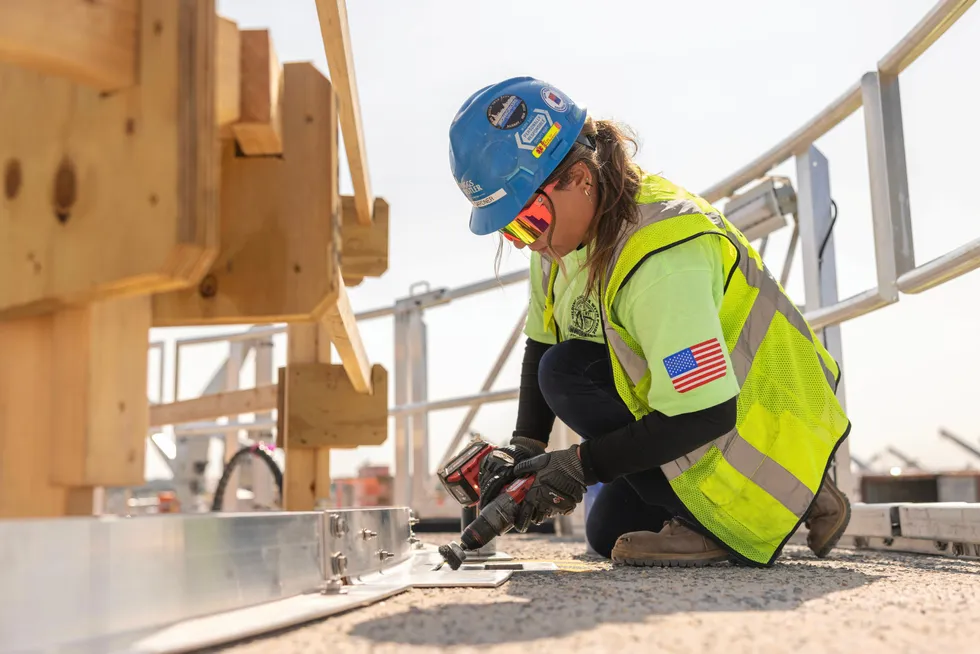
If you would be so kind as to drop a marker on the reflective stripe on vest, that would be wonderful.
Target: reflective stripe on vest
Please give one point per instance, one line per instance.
(766, 473)
(757, 324)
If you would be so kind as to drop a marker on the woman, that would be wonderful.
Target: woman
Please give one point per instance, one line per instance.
(705, 403)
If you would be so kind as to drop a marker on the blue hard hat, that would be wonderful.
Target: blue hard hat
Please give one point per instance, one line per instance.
(504, 142)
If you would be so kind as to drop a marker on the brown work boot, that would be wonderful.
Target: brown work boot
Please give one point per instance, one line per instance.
(676, 545)
(828, 518)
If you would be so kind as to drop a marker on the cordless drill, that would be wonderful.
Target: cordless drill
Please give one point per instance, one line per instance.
(496, 519)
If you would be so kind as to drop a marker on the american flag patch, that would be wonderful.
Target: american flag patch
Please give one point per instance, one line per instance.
(696, 365)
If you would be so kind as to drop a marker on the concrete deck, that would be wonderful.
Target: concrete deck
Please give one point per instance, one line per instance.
(855, 601)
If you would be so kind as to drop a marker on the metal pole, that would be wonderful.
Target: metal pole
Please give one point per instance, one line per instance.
(488, 383)
(418, 356)
(820, 277)
(263, 486)
(403, 475)
(890, 212)
(236, 352)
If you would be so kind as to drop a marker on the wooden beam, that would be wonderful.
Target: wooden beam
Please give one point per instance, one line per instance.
(280, 223)
(340, 60)
(259, 130)
(111, 195)
(323, 409)
(304, 479)
(228, 85)
(90, 43)
(99, 393)
(364, 249)
(215, 405)
(338, 326)
(73, 406)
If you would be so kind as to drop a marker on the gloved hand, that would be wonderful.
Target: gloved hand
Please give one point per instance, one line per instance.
(558, 487)
(496, 469)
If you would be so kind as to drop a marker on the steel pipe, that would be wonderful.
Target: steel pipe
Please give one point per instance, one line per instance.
(852, 307)
(455, 402)
(941, 269)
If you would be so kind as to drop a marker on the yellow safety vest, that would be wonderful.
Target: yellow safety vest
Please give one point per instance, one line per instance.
(752, 487)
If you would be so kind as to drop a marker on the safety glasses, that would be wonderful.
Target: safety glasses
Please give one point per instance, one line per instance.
(533, 220)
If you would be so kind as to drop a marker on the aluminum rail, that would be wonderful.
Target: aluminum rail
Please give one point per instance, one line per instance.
(941, 269)
(455, 402)
(917, 41)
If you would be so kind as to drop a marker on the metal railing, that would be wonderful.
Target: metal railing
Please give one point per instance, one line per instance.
(878, 93)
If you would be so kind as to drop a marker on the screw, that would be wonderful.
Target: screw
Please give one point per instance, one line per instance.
(415, 542)
(384, 555)
(338, 563)
(367, 534)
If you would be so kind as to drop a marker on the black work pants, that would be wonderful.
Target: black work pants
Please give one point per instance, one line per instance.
(576, 380)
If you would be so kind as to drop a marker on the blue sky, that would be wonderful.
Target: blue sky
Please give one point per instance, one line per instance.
(708, 85)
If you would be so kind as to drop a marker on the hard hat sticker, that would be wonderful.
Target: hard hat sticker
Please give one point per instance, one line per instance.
(490, 199)
(554, 99)
(546, 141)
(507, 112)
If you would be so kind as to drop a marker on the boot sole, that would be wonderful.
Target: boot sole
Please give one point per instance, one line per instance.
(835, 537)
(670, 563)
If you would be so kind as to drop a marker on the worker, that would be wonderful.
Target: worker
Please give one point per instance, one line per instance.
(705, 403)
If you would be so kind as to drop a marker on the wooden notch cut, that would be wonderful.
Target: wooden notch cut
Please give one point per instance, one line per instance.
(364, 249)
(259, 130)
(90, 43)
(340, 60)
(280, 223)
(114, 194)
(323, 409)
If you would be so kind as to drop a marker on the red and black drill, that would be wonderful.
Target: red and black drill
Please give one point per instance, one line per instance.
(460, 478)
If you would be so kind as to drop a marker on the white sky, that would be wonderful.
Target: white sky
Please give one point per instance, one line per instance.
(708, 85)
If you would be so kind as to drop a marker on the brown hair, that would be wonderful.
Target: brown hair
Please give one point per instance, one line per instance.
(616, 180)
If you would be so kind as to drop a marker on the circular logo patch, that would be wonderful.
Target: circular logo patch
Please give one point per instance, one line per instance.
(585, 318)
(507, 112)
(554, 99)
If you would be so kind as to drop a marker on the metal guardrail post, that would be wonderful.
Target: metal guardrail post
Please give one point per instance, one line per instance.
(419, 361)
(820, 275)
(891, 216)
(402, 374)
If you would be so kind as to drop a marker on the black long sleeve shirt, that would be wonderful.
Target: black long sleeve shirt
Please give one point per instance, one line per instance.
(648, 443)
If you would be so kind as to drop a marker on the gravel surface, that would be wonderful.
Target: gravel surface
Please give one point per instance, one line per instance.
(855, 601)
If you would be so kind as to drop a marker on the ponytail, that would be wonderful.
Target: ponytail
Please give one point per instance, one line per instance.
(617, 180)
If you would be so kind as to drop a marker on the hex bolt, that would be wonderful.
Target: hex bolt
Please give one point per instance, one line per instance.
(338, 563)
(367, 534)
(338, 525)
(384, 555)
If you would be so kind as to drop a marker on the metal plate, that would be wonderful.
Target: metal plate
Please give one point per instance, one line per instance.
(369, 539)
(77, 579)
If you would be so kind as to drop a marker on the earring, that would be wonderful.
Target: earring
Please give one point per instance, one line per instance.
(588, 184)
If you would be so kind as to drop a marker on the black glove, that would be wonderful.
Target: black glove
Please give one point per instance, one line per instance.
(558, 487)
(496, 468)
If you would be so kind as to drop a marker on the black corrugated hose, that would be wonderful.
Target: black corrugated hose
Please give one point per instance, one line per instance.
(252, 450)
